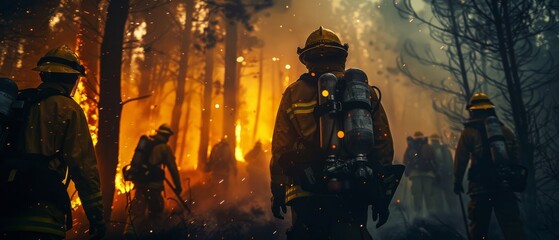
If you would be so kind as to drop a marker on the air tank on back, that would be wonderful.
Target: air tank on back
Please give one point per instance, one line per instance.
(357, 119)
(328, 126)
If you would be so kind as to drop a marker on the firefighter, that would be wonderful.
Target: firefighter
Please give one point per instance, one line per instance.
(421, 170)
(443, 186)
(56, 148)
(148, 187)
(256, 167)
(222, 166)
(486, 195)
(315, 214)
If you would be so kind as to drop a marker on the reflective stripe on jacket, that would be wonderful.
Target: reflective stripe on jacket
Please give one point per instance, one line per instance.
(296, 124)
(57, 125)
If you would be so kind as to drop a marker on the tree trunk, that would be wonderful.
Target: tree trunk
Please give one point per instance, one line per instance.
(109, 100)
(517, 106)
(458, 46)
(521, 127)
(10, 59)
(186, 123)
(206, 110)
(183, 69)
(230, 84)
(259, 99)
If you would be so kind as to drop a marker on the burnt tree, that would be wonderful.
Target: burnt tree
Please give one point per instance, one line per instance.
(110, 107)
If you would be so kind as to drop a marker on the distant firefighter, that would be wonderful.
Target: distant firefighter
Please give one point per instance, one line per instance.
(47, 145)
(257, 167)
(222, 165)
(421, 169)
(151, 155)
(443, 186)
(494, 175)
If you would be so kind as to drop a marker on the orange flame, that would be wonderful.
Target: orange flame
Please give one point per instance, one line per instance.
(238, 150)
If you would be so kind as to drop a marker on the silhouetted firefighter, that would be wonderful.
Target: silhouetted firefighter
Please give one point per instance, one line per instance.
(256, 167)
(494, 174)
(222, 165)
(442, 189)
(152, 154)
(421, 170)
(332, 148)
(47, 144)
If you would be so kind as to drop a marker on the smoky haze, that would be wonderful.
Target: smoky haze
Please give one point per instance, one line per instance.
(375, 34)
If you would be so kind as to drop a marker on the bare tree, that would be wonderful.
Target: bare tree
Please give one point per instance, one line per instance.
(503, 43)
(110, 107)
(445, 24)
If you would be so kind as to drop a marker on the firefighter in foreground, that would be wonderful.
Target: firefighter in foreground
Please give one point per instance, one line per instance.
(494, 174)
(50, 148)
(443, 191)
(421, 170)
(146, 171)
(325, 168)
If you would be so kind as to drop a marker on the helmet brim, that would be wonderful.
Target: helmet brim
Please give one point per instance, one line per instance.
(164, 132)
(56, 68)
(322, 49)
(481, 106)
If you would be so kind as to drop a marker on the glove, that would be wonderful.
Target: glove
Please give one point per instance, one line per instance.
(278, 203)
(458, 188)
(97, 231)
(278, 200)
(380, 213)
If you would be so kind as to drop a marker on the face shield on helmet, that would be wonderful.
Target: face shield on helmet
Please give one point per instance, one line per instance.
(323, 47)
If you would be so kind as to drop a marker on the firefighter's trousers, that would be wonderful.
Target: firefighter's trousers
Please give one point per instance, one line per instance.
(506, 210)
(328, 218)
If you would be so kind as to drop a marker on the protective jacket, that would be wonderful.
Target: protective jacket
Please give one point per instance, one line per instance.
(57, 127)
(296, 128)
(420, 160)
(163, 155)
(472, 145)
(222, 161)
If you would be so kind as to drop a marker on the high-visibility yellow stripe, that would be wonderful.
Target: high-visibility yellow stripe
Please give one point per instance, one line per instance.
(304, 104)
(303, 111)
(35, 224)
(295, 192)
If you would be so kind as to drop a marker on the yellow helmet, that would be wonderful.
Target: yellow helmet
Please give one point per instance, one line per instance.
(322, 42)
(479, 101)
(60, 60)
(165, 129)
